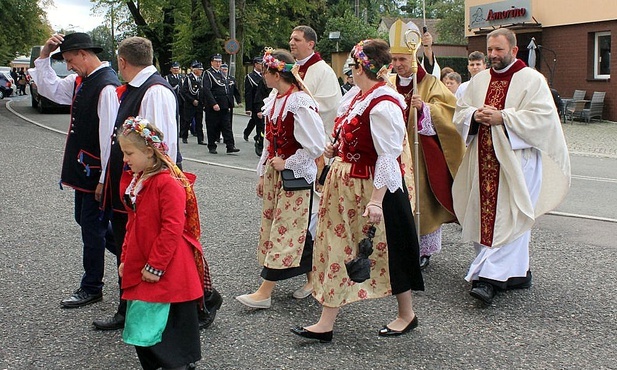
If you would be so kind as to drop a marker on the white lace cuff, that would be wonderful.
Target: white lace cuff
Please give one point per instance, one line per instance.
(302, 165)
(427, 122)
(388, 173)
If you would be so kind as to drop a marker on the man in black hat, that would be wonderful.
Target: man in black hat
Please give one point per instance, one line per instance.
(91, 92)
(193, 107)
(348, 83)
(218, 104)
(253, 106)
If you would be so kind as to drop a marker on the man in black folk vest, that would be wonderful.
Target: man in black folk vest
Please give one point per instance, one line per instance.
(90, 92)
(147, 95)
(218, 105)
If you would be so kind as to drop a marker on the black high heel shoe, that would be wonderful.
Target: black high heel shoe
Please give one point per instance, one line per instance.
(387, 332)
(321, 337)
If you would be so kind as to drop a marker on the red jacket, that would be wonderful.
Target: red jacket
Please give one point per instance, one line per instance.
(155, 235)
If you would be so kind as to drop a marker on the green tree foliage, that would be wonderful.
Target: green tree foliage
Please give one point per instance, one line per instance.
(352, 30)
(23, 26)
(451, 12)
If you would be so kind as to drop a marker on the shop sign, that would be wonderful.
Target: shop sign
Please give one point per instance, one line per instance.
(499, 13)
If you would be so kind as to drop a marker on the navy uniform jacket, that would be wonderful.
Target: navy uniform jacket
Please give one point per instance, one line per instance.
(216, 90)
(191, 90)
(251, 81)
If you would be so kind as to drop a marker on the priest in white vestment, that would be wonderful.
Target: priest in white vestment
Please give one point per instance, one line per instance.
(515, 169)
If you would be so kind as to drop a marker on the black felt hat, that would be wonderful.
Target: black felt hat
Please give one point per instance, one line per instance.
(76, 41)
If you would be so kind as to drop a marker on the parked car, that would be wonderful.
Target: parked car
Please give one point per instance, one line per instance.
(40, 102)
(6, 87)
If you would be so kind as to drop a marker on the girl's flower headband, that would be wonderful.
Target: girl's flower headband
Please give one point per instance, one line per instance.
(273, 63)
(138, 125)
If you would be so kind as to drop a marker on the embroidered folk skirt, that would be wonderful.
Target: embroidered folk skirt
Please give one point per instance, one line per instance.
(395, 266)
(284, 223)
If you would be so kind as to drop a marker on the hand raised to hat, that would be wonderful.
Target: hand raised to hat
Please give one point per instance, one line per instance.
(51, 44)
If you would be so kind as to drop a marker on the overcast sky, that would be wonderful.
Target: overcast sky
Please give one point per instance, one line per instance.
(72, 14)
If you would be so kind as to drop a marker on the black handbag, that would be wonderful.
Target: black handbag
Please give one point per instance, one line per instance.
(359, 269)
(291, 183)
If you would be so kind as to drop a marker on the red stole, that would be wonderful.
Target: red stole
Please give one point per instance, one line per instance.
(487, 160)
(312, 60)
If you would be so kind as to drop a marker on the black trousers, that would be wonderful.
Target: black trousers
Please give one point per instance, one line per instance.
(218, 122)
(118, 224)
(254, 123)
(192, 112)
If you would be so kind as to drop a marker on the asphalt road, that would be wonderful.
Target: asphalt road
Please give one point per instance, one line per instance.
(567, 320)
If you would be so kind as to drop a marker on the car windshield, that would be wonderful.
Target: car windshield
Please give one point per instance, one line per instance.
(59, 66)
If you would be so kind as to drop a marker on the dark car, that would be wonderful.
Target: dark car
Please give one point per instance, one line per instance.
(40, 102)
(6, 87)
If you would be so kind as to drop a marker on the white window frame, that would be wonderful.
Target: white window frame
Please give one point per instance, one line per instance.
(596, 56)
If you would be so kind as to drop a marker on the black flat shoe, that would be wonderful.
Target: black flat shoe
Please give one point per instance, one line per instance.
(424, 261)
(211, 305)
(321, 337)
(387, 332)
(482, 291)
(114, 323)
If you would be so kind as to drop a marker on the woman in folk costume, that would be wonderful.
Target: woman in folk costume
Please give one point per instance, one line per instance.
(294, 138)
(162, 265)
(365, 185)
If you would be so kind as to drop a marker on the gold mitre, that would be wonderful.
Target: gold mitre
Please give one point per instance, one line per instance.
(397, 38)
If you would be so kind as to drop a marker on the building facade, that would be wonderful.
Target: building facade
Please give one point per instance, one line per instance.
(569, 41)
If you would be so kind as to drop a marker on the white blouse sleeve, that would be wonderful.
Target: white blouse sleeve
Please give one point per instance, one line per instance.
(309, 132)
(159, 107)
(261, 165)
(388, 132)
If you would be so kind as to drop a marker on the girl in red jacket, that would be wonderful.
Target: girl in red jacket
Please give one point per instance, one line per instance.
(162, 261)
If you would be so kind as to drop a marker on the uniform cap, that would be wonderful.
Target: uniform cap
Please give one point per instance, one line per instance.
(175, 65)
(197, 65)
(216, 57)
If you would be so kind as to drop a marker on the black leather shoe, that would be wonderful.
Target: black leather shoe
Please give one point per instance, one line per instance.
(483, 291)
(246, 137)
(232, 149)
(185, 141)
(212, 303)
(321, 337)
(201, 143)
(81, 298)
(424, 261)
(258, 149)
(113, 323)
(212, 151)
(387, 332)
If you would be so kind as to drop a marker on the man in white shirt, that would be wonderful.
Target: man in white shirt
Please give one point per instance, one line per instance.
(91, 92)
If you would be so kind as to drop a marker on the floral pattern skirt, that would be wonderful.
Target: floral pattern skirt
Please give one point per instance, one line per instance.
(339, 229)
(284, 223)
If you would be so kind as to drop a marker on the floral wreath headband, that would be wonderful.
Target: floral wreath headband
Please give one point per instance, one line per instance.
(273, 63)
(358, 54)
(139, 125)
